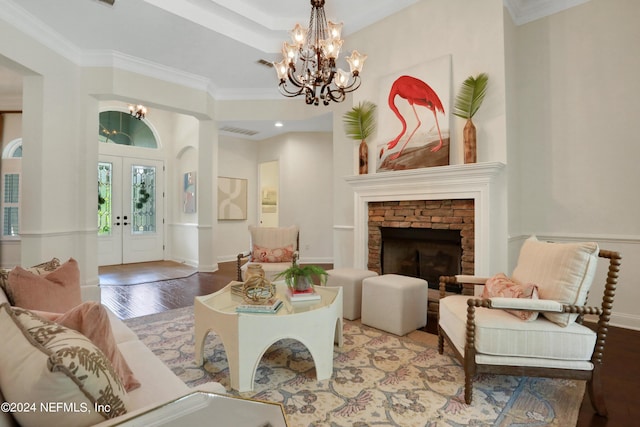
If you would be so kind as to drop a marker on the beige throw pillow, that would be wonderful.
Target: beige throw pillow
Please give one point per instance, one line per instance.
(563, 272)
(51, 365)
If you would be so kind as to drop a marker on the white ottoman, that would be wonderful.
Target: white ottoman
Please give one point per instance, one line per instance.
(350, 279)
(394, 303)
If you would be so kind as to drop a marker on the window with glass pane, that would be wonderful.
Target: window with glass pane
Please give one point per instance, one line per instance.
(11, 195)
(143, 200)
(105, 172)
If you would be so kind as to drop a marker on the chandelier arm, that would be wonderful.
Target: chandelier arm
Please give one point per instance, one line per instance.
(292, 77)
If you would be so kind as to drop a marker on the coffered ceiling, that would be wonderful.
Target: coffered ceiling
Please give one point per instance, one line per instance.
(214, 45)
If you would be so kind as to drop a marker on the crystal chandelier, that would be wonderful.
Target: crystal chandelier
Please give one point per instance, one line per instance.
(309, 64)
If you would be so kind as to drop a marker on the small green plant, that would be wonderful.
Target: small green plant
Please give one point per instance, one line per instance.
(471, 95)
(297, 276)
(360, 121)
(467, 103)
(359, 124)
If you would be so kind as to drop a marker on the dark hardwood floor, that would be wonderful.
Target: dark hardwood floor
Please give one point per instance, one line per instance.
(621, 372)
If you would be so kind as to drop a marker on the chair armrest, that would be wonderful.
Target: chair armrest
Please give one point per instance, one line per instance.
(476, 280)
(526, 304)
(541, 305)
(462, 281)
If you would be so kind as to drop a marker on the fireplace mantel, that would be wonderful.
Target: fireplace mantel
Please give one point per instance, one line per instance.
(482, 182)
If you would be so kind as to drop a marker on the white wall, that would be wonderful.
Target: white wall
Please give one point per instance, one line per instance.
(305, 190)
(182, 229)
(306, 176)
(238, 159)
(577, 90)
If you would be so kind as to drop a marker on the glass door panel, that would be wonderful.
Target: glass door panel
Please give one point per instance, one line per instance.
(105, 197)
(143, 202)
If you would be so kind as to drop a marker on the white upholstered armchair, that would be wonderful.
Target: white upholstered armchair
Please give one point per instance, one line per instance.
(531, 324)
(274, 248)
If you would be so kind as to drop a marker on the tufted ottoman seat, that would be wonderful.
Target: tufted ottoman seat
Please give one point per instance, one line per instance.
(350, 279)
(394, 303)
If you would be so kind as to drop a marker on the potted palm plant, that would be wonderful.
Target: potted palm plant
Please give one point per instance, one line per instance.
(466, 106)
(300, 278)
(359, 124)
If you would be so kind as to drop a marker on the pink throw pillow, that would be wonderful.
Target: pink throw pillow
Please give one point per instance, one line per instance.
(92, 321)
(501, 286)
(262, 254)
(57, 292)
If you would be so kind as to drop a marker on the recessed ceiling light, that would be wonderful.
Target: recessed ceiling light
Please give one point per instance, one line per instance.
(279, 124)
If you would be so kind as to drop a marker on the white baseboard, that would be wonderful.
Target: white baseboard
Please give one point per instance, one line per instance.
(627, 321)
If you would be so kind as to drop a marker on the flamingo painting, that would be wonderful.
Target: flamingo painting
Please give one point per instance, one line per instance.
(415, 92)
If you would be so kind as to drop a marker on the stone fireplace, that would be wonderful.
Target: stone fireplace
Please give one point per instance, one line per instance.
(421, 238)
(469, 198)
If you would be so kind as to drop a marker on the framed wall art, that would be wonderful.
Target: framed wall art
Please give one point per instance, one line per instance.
(413, 117)
(232, 198)
(189, 192)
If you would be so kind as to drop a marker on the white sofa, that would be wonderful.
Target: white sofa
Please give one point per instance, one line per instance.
(158, 383)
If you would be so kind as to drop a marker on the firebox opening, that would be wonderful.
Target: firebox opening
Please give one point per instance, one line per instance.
(424, 253)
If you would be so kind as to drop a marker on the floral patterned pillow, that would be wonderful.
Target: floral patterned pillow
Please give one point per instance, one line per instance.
(50, 363)
(501, 286)
(262, 254)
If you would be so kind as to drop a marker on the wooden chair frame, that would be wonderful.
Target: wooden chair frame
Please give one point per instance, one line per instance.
(593, 377)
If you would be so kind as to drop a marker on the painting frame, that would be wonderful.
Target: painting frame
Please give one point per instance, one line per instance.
(232, 198)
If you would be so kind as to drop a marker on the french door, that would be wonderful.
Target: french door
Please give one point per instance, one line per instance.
(130, 210)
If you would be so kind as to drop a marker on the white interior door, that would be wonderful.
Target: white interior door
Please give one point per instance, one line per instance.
(131, 210)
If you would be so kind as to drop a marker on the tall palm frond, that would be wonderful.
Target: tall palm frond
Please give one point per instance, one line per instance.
(471, 96)
(360, 121)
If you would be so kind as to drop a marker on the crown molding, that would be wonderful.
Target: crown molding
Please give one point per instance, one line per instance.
(121, 61)
(524, 11)
(33, 27)
(43, 34)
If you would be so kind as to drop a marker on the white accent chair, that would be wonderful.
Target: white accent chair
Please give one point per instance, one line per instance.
(274, 248)
(486, 338)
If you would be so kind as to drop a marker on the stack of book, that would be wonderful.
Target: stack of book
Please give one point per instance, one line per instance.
(306, 295)
(269, 308)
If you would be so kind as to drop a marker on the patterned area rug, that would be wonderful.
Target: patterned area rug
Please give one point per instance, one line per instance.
(379, 380)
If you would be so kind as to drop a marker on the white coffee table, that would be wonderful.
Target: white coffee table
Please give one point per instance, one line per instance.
(246, 336)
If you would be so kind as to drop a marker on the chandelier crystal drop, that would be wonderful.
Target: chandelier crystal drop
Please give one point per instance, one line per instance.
(308, 66)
